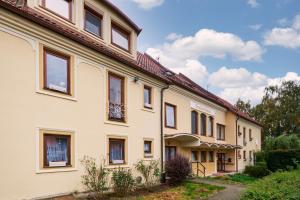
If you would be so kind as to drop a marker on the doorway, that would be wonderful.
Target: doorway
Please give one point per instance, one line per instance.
(221, 162)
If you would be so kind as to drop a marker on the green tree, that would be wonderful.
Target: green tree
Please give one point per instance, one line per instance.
(244, 106)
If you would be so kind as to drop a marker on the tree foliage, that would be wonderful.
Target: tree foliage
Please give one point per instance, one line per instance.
(279, 110)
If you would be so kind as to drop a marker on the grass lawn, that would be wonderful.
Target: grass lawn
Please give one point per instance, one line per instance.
(234, 179)
(277, 186)
(185, 191)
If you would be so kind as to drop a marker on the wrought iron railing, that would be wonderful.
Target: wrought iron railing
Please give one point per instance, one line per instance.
(200, 168)
(116, 112)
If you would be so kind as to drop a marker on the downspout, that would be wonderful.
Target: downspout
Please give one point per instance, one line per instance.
(236, 142)
(162, 133)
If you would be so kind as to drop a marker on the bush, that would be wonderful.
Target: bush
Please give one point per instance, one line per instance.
(149, 171)
(177, 169)
(95, 178)
(278, 186)
(123, 182)
(282, 142)
(257, 171)
(280, 159)
(260, 156)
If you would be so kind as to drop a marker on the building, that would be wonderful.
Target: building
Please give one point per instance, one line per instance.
(74, 84)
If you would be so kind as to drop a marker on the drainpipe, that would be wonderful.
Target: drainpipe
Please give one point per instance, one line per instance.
(236, 142)
(163, 176)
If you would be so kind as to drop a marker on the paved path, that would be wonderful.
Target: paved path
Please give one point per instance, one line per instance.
(231, 192)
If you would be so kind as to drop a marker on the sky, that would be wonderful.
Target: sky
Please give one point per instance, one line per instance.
(233, 48)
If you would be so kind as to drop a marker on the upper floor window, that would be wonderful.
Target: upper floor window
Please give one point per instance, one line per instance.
(211, 126)
(203, 124)
(147, 96)
(250, 135)
(120, 37)
(244, 136)
(116, 97)
(194, 116)
(116, 151)
(92, 21)
(56, 71)
(62, 8)
(170, 115)
(220, 132)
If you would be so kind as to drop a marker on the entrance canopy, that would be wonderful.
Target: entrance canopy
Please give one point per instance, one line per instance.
(193, 140)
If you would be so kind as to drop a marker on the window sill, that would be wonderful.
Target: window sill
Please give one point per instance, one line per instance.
(124, 52)
(58, 95)
(55, 170)
(148, 110)
(116, 123)
(113, 166)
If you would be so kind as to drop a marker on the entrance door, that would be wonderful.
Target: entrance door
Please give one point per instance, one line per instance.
(221, 162)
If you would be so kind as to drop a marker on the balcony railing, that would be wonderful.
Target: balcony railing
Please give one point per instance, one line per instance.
(116, 112)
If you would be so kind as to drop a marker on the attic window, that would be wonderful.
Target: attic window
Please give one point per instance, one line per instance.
(120, 37)
(93, 22)
(63, 8)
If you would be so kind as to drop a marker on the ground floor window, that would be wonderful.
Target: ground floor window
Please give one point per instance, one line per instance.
(203, 156)
(148, 148)
(116, 151)
(194, 155)
(244, 155)
(170, 152)
(211, 156)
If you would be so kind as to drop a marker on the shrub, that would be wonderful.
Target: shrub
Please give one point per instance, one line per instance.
(123, 181)
(149, 171)
(177, 169)
(95, 178)
(280, 159)
(282, 142)
(278, 186)
(257, 171)
(260, 156)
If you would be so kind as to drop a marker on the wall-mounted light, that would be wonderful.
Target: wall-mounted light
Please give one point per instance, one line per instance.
(136, 79)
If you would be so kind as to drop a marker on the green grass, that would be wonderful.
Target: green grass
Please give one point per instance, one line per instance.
(277, 186)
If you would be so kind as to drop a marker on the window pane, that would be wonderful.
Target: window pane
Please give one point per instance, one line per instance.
(61, 7)
(170, 116)
(92, 23)
(56, 151)
(194, 122)
(115, 90)
(147, 96)
(203, 156)
(170, 153)
(57, 73)
(121, 39)
(147, 147)
(116, 151)
(203, 124)
(194, 156)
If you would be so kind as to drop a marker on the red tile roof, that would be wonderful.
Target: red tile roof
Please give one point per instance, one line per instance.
(144, 62)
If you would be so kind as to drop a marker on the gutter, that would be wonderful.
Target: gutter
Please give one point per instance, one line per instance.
(162, 133)
(236, 142)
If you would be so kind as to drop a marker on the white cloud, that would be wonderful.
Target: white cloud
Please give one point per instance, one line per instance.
(253, 3)
(236, 77)
(173, 36)
(248, 86)
(255, 27)
(288, 37)
(206, 42)
(148, 4)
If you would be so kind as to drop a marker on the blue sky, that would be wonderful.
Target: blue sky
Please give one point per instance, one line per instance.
(234, 48)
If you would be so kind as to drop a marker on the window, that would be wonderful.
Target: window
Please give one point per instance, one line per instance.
(250, 135)
(147, 97)
(170, 152)
(116, 151)
(239, 154)
(194, 117)
(244, 155)
(93, 22)
(203, 156)
(170, 115)
(250, 155)
(116, 97)
(244, 136)
(62, 8)
(203, 124)
(239, 130)
(120, 37)
(220, 132)
(211, 126)
(148, 148)
(57, 150)
(194, 155)
(56, 71)
(211, 156)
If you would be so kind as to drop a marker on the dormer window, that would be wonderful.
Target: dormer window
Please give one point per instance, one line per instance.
(63, 8)
(92, 22)
(120, 37)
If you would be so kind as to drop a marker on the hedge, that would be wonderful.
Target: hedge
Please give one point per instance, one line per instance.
(282, 159)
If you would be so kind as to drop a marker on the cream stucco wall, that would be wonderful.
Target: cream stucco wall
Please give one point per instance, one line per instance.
(25, 109)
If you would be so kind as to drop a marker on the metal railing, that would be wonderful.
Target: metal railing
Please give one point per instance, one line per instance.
(200, 168)
(116, 111)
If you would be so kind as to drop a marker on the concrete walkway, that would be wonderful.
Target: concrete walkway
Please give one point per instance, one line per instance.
(231, 192)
